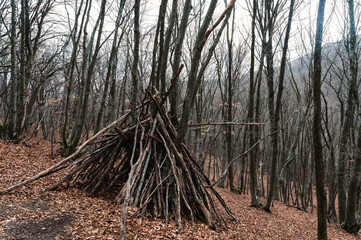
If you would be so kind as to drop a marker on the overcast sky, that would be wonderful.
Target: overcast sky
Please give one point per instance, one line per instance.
(303, 25)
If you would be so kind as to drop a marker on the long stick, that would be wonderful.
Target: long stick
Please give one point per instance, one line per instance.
(223, 123)
(65, 160)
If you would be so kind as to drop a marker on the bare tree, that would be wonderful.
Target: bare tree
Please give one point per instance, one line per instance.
(111, 71)
(177, 58)
(317, 144)
(250, 116)
(193, 77)
(89, 60)
(135, 77)
(350, 223)
(274, 108)
(13, 94)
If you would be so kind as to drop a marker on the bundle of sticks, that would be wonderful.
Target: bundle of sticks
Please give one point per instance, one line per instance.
(145, 168)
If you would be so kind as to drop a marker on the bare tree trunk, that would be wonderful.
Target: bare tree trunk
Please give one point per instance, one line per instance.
(271, 112)
(69, 72)
(135, 77)
(84, 97)
(251, 129)
(176, 59)
(32, 45)
(165, 50)
(194, 79)
(13, 96)
(111, 71)
(317, 144)
(351, 224)
(158, 35)
(275, 109)
(331, 173)
(229, 105)
(21, 77)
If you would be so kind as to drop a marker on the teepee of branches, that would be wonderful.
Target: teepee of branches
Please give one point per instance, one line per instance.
(144, 165)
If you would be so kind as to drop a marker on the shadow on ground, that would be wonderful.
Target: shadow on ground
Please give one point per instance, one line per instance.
(49, 227)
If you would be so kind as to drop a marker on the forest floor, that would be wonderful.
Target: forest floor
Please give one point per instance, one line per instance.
(32, 213)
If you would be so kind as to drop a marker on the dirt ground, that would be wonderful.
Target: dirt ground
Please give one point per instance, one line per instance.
(69, 213)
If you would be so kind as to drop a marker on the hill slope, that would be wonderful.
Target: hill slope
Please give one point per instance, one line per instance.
(31, 213)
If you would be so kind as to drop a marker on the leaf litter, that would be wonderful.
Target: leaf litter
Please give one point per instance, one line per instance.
(69, 213)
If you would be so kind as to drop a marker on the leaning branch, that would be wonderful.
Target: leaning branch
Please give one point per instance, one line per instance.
(219, 20)
(65, 160)
(224, 124)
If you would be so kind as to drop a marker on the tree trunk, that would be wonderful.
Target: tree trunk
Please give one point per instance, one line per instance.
(111, 72)
(134, 92)
(84, 96)
(176, 59)
(275, 109)
(317, 144)
(351, 224)
(251, 129)
(69, 72)
(165, 50)
(194, 78)
(13, 95)
(229, 105)
(158, 34)
(348, 119)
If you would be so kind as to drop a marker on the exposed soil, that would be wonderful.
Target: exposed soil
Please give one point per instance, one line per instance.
(53, 227)
(69, 213)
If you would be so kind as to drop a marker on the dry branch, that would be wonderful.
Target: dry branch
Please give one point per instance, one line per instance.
(223, 124)
(219, 20)
(64, 162)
